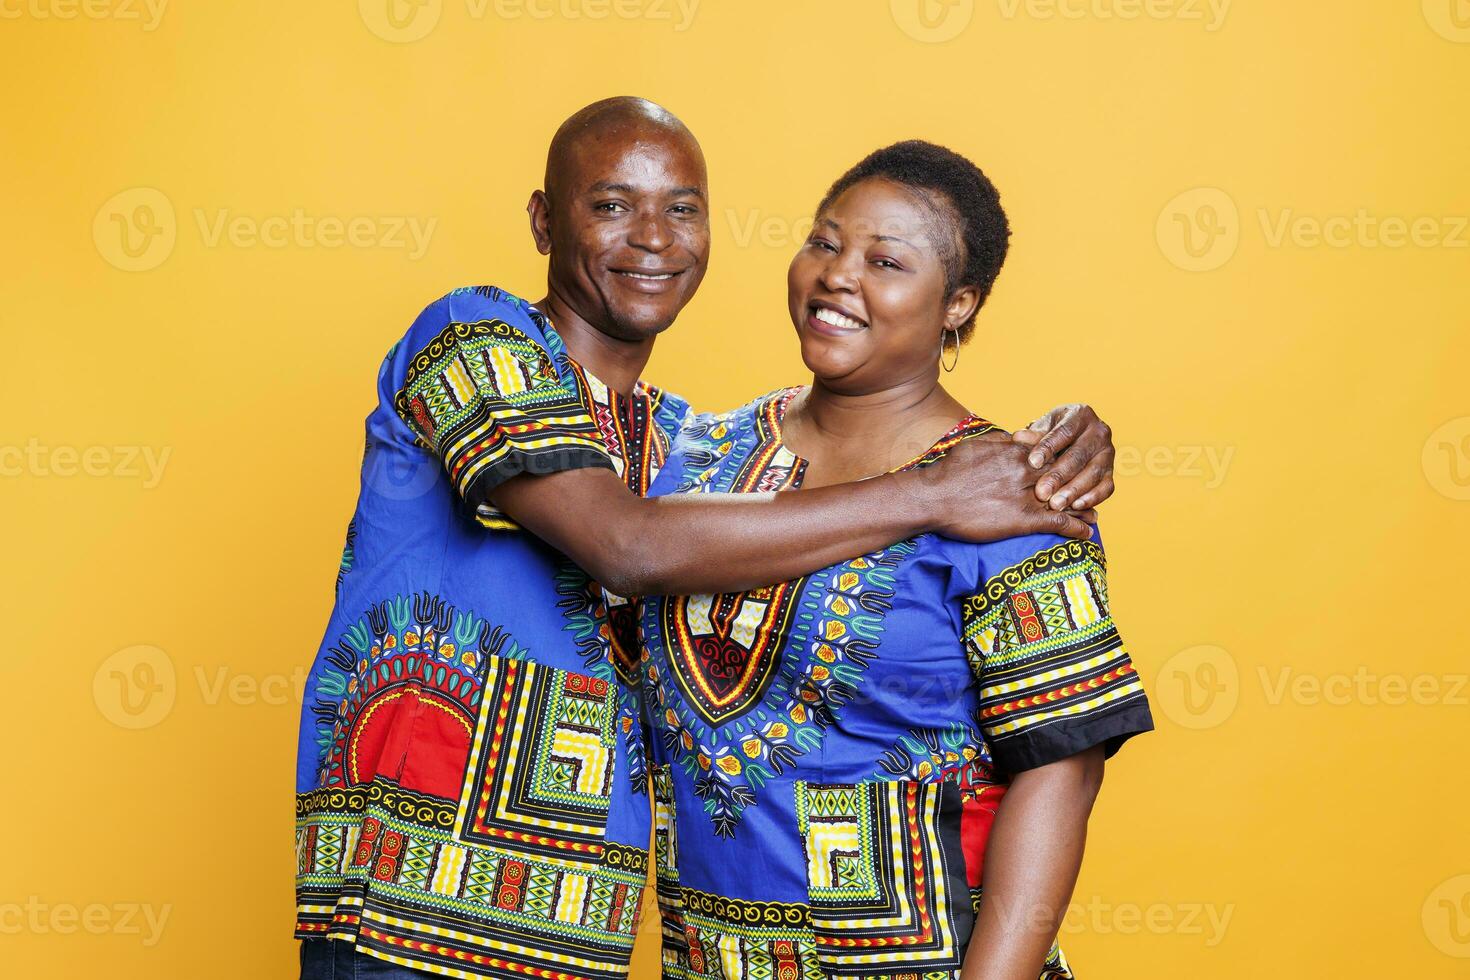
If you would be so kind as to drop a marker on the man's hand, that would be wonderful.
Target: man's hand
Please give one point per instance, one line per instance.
(1072, 453)
(985, 491)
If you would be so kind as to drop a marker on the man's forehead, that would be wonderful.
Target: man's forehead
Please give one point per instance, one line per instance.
(635, 163)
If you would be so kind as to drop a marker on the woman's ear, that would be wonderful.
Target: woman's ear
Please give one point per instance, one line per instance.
(962, 304)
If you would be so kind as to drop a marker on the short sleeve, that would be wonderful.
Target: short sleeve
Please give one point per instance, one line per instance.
(480, 386)
(1055, 678)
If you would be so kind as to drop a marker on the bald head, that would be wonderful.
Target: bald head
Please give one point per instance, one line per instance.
(623, 217)
(621, 122)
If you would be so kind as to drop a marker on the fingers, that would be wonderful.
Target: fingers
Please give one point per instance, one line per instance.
(1044, 424)
(1069, 423)
(1083, 485)
(1092, 446)
(1060, 522)
(1053, 444)
(1086, 516)
(1061, 473)
(1027, 436)
(1102, 491)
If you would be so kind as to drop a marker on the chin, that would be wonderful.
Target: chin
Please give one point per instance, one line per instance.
(641, 324)
(826, 364)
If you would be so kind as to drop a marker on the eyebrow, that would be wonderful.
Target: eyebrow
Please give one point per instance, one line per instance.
(602, 186)
(882, 238)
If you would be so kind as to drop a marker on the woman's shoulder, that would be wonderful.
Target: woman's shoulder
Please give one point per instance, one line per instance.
(713, 443)
(738, 419)
(971, 426)
(1033, 565)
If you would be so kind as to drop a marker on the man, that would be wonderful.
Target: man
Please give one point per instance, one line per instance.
(470, 778)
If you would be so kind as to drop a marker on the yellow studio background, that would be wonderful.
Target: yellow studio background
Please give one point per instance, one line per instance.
(1240, 231)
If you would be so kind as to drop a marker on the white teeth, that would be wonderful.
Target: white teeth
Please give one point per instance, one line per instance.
(639, 275)
(837, 319)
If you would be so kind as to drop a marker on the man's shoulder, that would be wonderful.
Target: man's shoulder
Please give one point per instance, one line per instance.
(472, 304)
(477, 311)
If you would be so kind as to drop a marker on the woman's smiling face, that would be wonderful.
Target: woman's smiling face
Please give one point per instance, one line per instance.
(867, 291)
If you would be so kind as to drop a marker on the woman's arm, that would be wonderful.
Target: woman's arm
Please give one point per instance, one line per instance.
(1031, 865)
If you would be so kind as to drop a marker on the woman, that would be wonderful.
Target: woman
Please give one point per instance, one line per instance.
(845, 762)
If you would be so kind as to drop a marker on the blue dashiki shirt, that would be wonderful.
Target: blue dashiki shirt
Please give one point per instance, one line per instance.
(829, 753)
(471, 794)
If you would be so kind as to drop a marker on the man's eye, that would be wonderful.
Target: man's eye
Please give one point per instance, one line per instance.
(609, 207)
(684, 209)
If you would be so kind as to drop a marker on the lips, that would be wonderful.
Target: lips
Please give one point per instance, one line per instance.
(833, 320)
(649, 281)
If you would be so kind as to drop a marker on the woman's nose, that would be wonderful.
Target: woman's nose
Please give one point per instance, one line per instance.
(839, 274)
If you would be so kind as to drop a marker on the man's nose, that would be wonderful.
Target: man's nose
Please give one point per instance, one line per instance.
(651, 232)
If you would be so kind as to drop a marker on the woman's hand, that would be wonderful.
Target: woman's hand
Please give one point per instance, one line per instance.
(1072, 450)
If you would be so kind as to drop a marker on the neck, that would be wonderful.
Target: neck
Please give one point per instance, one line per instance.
(871, 416)
(616, 363)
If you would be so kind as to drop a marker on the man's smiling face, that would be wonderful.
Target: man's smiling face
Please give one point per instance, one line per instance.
(627, 224)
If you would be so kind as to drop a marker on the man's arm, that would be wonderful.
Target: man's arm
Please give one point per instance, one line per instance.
(982, 490)
(1031, 864)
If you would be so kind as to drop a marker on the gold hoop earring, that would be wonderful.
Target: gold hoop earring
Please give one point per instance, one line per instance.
(944, 335)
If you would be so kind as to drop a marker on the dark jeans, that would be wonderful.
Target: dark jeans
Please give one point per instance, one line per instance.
(331, 959)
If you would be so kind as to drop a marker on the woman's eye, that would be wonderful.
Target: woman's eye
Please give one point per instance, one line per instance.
(823, 244)
(886, 264)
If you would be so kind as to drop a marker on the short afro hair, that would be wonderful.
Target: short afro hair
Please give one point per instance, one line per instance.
(962, 193)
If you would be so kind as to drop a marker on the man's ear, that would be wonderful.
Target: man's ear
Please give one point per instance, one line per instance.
(961, 305)
(539, 208)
